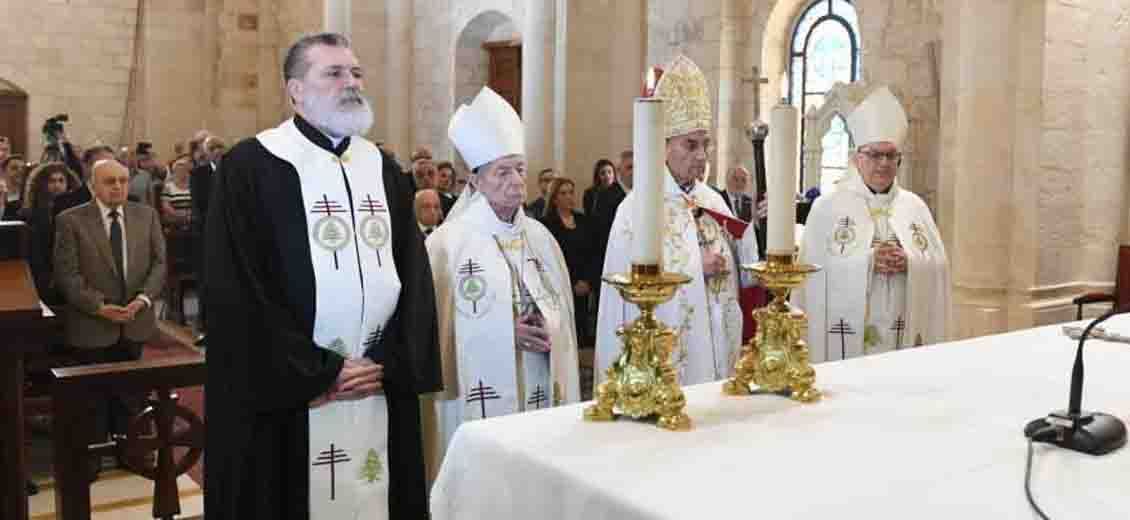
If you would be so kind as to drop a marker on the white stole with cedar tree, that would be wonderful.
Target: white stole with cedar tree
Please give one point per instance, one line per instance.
(476, 259)
(357, 288)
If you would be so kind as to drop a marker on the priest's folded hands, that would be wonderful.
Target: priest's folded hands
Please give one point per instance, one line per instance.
(531, 335)
(358, 379)
(890, 259)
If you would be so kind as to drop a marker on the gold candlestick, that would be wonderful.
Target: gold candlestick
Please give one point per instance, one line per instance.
(776, 358)
(641, 382)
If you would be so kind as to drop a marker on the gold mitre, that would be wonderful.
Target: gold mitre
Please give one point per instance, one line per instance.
(687, 97)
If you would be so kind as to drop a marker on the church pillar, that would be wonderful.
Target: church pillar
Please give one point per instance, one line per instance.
(338, 17)
(991, 97)
(399, 79)
(539, 91)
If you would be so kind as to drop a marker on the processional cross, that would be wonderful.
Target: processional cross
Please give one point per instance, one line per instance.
(757, 80)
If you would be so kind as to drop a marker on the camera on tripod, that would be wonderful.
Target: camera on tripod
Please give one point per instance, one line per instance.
(53, 127)
(52, 131)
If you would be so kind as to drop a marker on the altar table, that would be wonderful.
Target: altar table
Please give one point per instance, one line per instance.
(932, 432)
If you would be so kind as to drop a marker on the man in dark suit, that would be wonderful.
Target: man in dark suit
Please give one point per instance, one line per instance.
(200, 181)
(536, 209)
(445, 180)
(739, 202)
(109, 267)
(200, 187)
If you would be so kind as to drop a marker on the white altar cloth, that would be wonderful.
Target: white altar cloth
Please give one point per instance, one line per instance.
(926, 433)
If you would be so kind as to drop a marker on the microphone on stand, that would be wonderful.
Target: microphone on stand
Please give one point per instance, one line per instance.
(1094, 433)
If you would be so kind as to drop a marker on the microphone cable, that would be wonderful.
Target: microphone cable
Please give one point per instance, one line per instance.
(1043, 435)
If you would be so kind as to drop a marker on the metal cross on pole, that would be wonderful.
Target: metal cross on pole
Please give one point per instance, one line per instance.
(757, 80)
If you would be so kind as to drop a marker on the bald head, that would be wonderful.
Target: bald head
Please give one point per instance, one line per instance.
(214, 148)
(428, 209)
(425, 172)
(738, 180)
(110, 180)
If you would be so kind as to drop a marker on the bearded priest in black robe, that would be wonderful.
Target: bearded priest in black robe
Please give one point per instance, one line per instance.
(322, 325)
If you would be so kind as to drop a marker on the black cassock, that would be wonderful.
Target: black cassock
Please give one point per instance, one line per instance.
(263, 366)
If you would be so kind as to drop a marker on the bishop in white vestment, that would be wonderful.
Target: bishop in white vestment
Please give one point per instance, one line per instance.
(504, 297)
(705, 312)
(885, 283)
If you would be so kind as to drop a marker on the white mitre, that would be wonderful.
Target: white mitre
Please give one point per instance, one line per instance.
(879, 118)
(486, 130)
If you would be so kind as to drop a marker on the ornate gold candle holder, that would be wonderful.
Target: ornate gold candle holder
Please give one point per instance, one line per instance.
(776, 358)
(641, 382)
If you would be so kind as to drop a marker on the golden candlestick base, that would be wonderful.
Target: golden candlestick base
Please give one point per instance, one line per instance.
(776, 358)
(641, 382)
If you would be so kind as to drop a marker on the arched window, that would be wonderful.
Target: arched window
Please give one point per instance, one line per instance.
(824, 49)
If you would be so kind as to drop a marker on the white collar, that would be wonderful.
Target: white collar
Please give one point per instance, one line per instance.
(482, 213)
(104, 210)
(854, 182)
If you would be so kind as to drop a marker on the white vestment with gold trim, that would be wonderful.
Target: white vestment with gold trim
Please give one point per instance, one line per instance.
(705, 312)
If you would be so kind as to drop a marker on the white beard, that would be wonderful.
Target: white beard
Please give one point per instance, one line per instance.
(338, 121)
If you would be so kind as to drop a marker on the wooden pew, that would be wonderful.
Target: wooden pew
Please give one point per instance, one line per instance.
(24, 330)
(152, 430)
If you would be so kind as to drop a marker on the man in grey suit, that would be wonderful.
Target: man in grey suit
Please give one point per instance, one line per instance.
(109, 267)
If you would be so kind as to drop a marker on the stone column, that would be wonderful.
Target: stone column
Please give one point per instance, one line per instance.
(539, 55)
(988, 181)
(338, 17)
(400, 78)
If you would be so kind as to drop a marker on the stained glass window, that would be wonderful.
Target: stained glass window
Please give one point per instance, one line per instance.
(825, 50)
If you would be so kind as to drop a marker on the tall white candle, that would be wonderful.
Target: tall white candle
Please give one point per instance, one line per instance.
(647, 185)
(781, 189)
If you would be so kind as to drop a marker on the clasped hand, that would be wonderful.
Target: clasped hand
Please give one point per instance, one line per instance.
(531, 335)
(359, 378)
(890, 259)
(712, 263)
(120, 314)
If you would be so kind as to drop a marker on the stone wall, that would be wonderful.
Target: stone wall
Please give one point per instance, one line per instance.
(605, 68)
(1033, 191)
(72, 58)
(1083, 160)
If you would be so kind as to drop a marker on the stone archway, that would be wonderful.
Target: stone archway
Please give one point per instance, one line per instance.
(472, 62)
(13, 116)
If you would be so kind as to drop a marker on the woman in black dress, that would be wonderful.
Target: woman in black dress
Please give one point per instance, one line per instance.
(44, 184)
(603, 173)
(574, 235)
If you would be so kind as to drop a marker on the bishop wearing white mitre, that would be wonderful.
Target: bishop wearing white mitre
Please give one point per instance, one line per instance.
(885, 283)
(505, 304)
(704, 312)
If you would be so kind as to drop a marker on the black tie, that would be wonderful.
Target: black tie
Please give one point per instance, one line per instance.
(116, 247)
